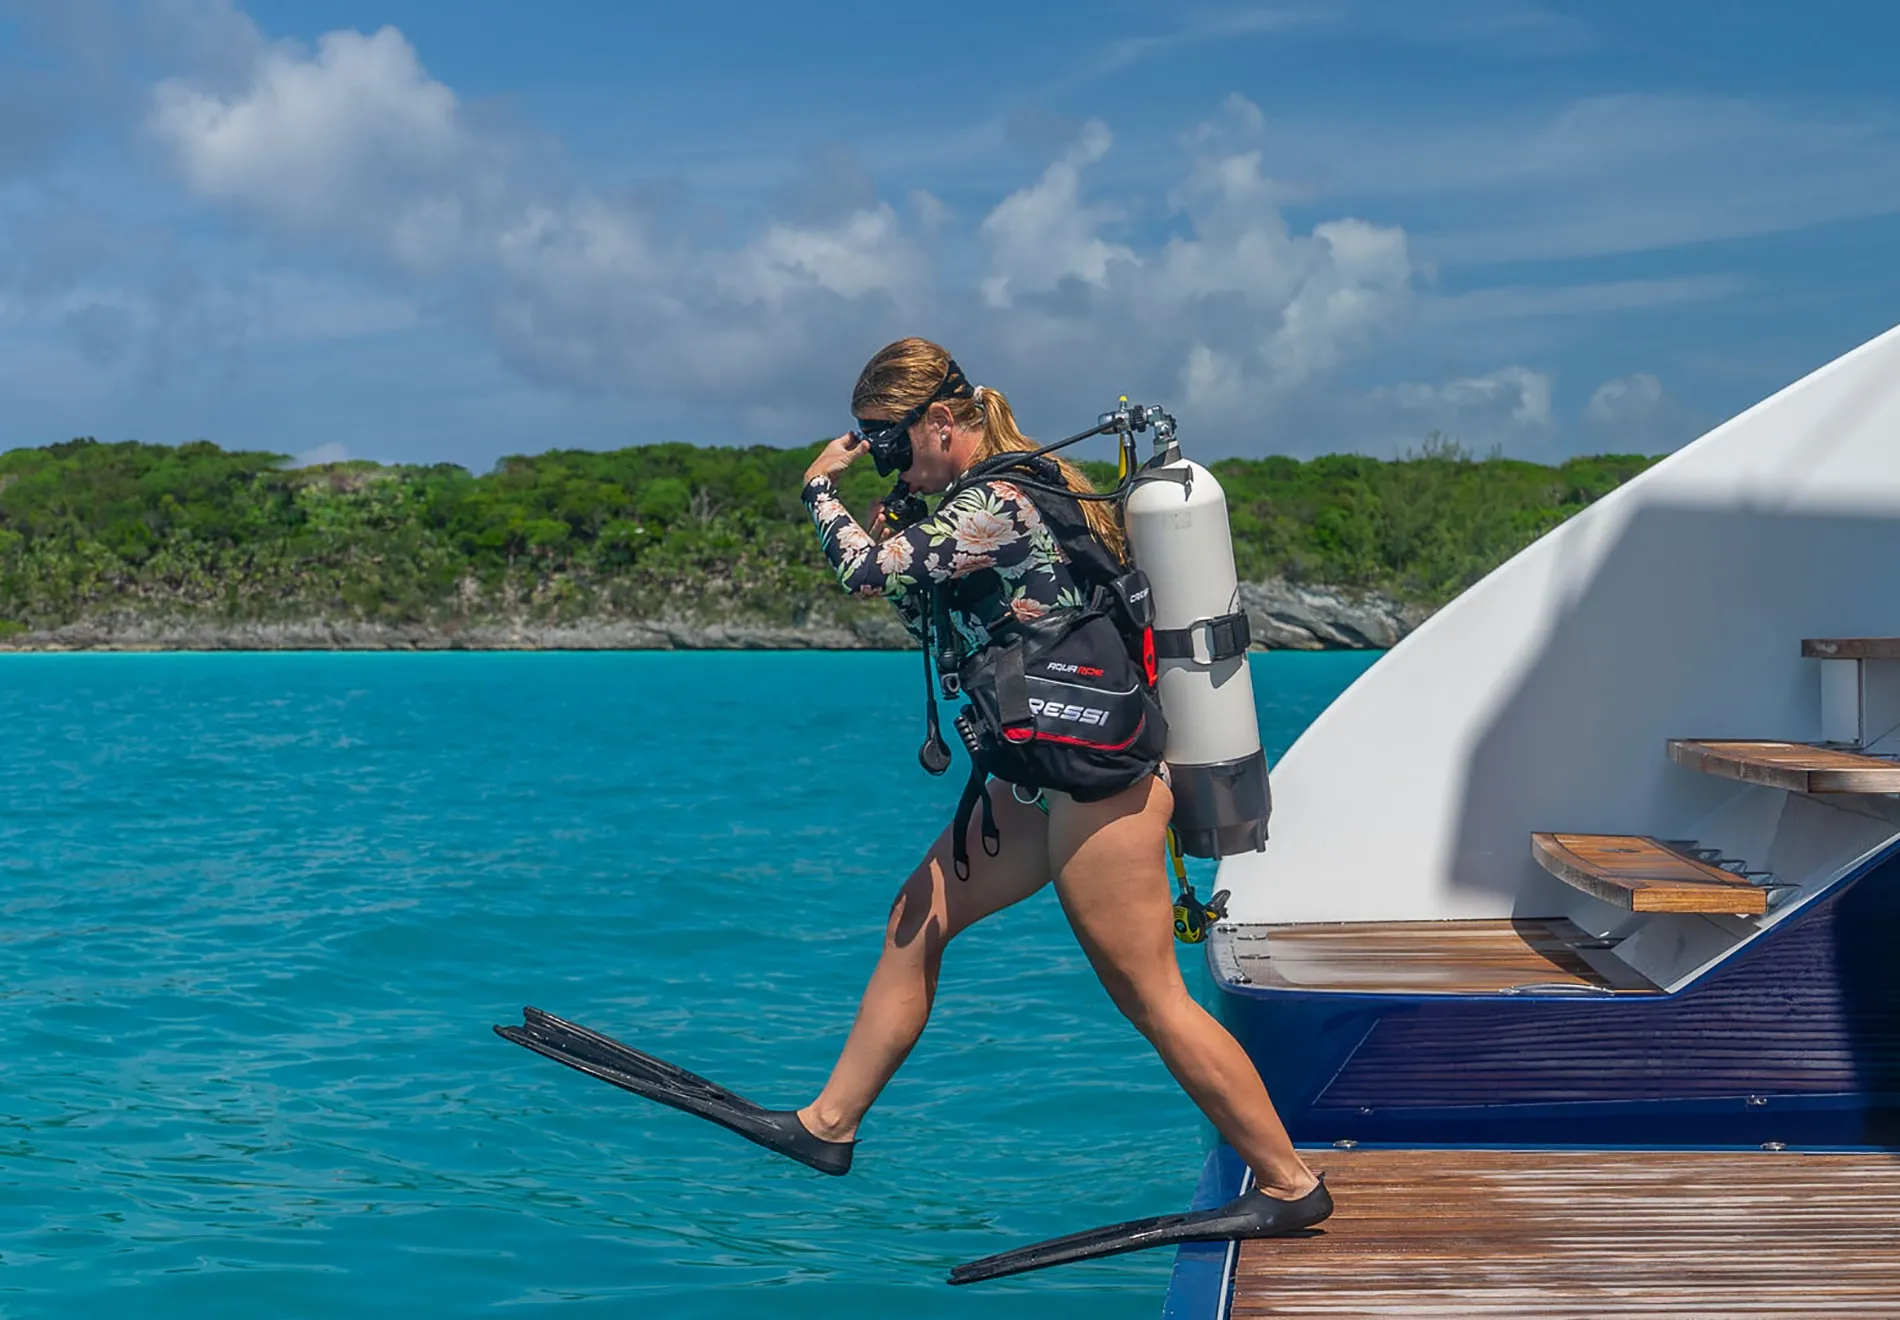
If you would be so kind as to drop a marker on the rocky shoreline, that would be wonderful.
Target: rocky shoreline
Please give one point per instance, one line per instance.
(1282, 615)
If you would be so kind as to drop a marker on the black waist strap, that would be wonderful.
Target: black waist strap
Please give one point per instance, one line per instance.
(1228, 635)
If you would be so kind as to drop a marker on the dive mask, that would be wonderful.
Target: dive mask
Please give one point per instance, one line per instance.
(889, 441)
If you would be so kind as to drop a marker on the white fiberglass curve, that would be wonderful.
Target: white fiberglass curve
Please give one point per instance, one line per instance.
(1542, 698)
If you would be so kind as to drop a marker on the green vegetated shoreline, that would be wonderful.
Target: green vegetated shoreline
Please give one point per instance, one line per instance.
(108, 543)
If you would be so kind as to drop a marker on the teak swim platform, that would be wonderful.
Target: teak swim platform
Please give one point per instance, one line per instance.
(1588, 1234)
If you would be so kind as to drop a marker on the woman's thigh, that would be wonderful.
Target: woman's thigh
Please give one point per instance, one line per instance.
(934, 903)
(1107, 861)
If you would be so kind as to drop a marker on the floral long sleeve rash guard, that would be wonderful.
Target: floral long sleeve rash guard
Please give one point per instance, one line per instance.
(989, 526)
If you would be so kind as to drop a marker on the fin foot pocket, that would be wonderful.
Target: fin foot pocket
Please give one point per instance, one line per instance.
(600, 1056)
(1252, 1214)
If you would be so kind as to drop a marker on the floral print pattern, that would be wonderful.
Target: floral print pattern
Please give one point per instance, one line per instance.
(988, 528)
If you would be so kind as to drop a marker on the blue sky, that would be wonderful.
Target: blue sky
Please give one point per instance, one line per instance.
(416, 230)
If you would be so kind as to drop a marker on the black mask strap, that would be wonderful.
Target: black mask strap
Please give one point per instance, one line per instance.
(890, 441)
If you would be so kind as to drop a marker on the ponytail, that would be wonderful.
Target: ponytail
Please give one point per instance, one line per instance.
(1001, 436)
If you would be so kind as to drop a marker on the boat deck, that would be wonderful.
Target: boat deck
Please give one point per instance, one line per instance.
(1588, 1234)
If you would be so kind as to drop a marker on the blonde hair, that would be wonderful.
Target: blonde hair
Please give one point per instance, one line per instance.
(902, 375)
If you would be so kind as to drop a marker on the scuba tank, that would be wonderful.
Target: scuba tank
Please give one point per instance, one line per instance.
(1178, 532)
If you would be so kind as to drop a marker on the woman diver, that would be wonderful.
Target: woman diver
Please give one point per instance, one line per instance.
(991, 563)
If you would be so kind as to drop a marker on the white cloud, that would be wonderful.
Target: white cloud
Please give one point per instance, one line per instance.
(865, 253)
(357, 136)
(1635, 414)
(1514, 400)
(1507, 28)
(1229, 314)
(1619, 400)
(1046, 233)
(1511, 409)
(1355, 277)
(354, 148)
(1205, 30)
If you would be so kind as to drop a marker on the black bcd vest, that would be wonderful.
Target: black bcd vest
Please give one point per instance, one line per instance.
(1063, 701)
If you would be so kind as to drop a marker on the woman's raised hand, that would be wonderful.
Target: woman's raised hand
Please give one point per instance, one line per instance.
(836, 456)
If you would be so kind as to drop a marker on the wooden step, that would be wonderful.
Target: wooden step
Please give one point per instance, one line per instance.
(1641, 874)
(1851, 648)
(1524, 955)
(1587, 1235)
(1797, 767)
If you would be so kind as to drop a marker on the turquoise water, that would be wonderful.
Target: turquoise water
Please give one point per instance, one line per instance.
(259, 912)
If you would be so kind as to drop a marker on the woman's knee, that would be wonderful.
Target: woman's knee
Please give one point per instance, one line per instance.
(919, 912)
(932, 908)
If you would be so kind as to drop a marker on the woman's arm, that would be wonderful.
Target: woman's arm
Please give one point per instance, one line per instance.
(987, 526)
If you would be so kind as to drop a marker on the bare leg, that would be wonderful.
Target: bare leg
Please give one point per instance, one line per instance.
(932, 907)
(1107, 861)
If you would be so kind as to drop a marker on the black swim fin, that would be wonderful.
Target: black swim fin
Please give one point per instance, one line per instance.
(1253, 1214)
(603, 1057)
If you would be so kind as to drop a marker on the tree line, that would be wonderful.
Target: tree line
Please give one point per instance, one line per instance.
(88, 528)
